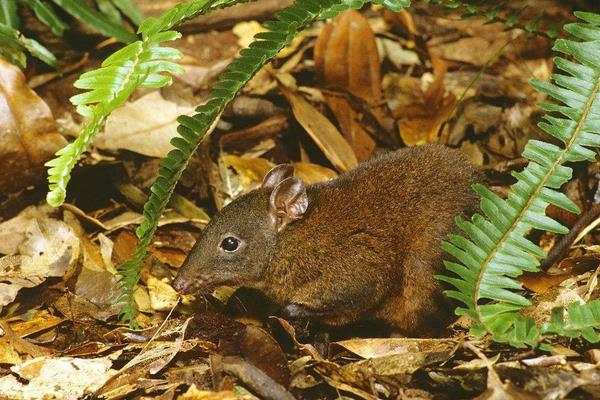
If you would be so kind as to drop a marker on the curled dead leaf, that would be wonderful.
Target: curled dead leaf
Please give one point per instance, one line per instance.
(28, 132)
(346, 57)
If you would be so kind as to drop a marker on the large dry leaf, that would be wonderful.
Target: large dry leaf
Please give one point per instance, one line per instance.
(346, 56)
(12, 231)
(381, 347)
(50, 250)
(55, 378)
(28, 132)
(322, 131)
(144, 126)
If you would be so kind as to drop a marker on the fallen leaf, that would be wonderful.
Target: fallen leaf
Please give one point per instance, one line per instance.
(51, 248)
(28, 132)
(41, 321)
(261, 350)
(312, 173)
(399, 56)
(250, 170)
(246, 30)
(153, 357)
(346, 56)
(194, 394)
(380, 347)
(421, 122)
(99, 287)
(57, 378)
(162, 295)
(144, 126)
(402, 20)
(21, 346)
(473, 50)
(473, 152)
(323, 132)
(12, 231)
(541, 281)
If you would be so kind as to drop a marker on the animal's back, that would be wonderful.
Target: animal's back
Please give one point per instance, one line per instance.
(371, 238)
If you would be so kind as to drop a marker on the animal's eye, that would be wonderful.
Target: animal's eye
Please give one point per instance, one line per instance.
(230, 244)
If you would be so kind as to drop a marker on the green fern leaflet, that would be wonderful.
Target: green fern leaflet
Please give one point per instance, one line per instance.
(495, 249)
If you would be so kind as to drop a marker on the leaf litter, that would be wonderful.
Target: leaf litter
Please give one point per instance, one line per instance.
(431, 78)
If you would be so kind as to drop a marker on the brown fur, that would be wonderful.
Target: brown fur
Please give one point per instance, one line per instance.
(366, 248)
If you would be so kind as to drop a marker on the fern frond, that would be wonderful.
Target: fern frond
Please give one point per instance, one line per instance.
(47, 16)
(582, 320)
(140, 64)
(96, 20)
(143, 63)
(282, 30)
(13, 44)
(495, 249)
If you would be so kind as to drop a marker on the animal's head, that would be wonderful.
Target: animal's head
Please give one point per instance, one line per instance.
(237, 244)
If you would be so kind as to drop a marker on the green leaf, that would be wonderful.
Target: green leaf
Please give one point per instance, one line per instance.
(107, 8)
(8, 14)
(128, 8)
(47, 16)
(17, 43)
(99, 22)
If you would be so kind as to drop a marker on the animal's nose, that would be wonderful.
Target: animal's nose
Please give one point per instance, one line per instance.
(180, 284)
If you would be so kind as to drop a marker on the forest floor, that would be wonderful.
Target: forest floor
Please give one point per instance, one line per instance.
(439, 77)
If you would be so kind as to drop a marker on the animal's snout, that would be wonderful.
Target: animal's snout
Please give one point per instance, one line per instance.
(181, 285)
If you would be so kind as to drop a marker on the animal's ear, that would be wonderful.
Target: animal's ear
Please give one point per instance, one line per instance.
(288, 201)
(277, 174)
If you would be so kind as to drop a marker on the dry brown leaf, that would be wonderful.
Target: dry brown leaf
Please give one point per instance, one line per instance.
(346, 56)
(421, 123)
(252, 170)
(55, 378)
(312, 173)
(152, 358)
(21, 346)
(380, 347)
(261, 350)
(145, 126)
(50, 250)
(12, 231)
(540, 282)
(402, 21)
(28, 132)
(323, 132)
(41, 321)
(162, 295)
(194, 394)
